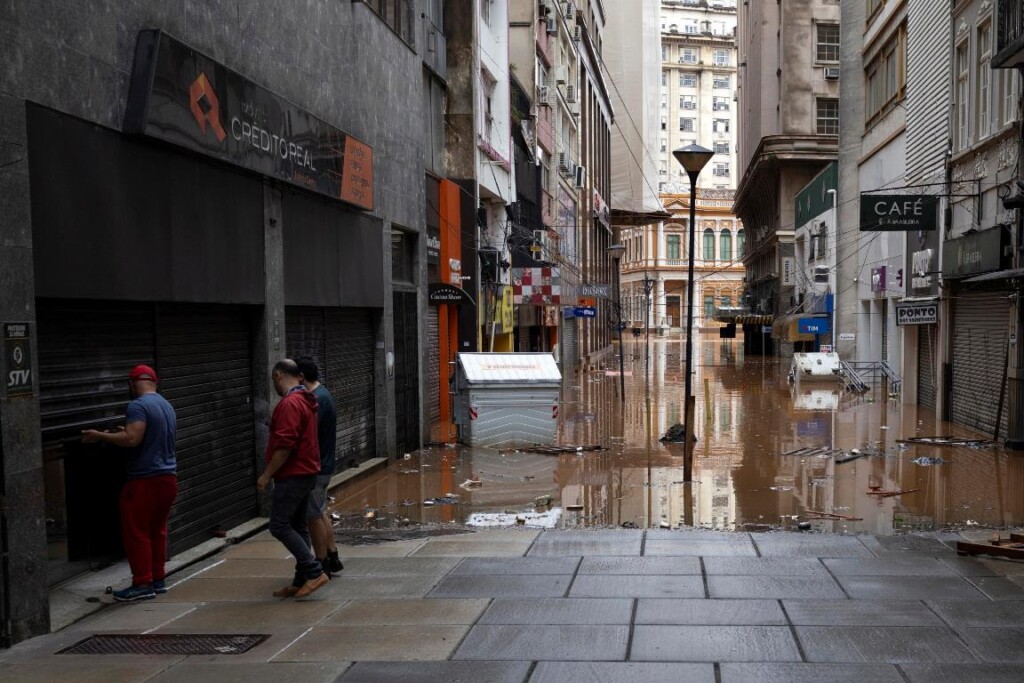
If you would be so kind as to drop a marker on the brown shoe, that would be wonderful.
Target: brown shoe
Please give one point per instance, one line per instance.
(286, 592)
(312, 585)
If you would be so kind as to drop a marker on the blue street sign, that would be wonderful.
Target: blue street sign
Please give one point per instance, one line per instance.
(584, 312)
(813, 326)
(810, 428)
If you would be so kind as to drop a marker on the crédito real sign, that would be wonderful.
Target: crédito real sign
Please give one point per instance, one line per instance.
(898, 212)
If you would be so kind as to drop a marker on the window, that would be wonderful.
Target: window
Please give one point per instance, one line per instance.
(984, 79)
(720, 126)
(687, 55)
(686, 125)
(885, 77)
(709, 307)
(664, 79)
(709, 244)
(664, 123)
(664, 101)
(725, 245)
(398, 14)
(962, 96)
(664, 53)
(726, 301)
(828, 43)
(664, 168)
(721, 57)
(1009, 101)
(664, 144)
(485, 11)
(722, 82)
(691, 27)
(873, 6)
(672, 250)
(722, 169)
(720, 103)
(687, 80)
(687, 102)
(721, 148)
(740, 244)
(828, 116)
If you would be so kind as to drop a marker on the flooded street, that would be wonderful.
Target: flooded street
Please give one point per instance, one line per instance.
(749, 423)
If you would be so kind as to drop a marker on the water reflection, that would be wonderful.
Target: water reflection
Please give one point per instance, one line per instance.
(747, 418)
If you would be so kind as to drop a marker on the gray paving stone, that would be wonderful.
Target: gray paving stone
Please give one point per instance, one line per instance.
(396, 566)
(662, 566)
(492, 586)
(557, 643)
(764, 566)
(576, 545)
(517, 565)
(910, 588)
(996, 644)
(437, 672)
(874, 644)
(700, 548)
(971, 614)
(965, 566)
(246, 672)
(998, 588)
(962, 673)
(810, 673)
(860, 613)
(559, 611)
(645, 586)
(714, 644)
(923, 566)
(710, 612)
(616, 672)
(591, 535)
(694, 535)
(812, 545)
(773, 587)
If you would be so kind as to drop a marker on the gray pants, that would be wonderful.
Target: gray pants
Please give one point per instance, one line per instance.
(288, 524)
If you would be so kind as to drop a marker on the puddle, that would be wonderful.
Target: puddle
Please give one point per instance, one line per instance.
(848, 455)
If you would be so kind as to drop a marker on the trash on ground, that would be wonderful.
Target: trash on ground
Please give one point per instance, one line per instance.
(559, 450)
(808, 452)
(449, 499)
(925, 461)
(675, 434)
(536, 520)
(543, 501)
(1012, 548)
(803, 526)
(948, 441)
(471, 484)
(833, 515)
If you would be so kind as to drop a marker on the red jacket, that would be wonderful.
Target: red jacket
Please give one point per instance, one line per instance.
(293, 426)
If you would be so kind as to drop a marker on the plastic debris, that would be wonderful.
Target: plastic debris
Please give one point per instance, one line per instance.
(471, 484)
(543, 501)
(925, 461)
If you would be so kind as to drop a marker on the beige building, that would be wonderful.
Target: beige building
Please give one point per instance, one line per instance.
(788, 118)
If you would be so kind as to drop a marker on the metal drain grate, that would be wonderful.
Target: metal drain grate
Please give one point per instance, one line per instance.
(166, 644)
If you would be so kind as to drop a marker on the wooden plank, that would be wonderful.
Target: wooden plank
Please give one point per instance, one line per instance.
(968, 548)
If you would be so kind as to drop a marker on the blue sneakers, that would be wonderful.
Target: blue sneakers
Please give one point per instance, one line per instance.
(160, 586)
(133, 593)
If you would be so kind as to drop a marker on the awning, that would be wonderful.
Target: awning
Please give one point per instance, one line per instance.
(754, 319)
(637, 218)
(1012, 274)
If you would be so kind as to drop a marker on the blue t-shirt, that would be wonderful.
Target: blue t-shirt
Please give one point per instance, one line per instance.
(327, 428)
(155, 455)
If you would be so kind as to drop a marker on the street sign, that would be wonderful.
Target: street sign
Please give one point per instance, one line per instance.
(826, 348)
(766, 329)
(847, 336)
(19, 359)
(584, 312)
(812, 326)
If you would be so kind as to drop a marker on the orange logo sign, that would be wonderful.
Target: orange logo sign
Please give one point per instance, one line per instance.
(205, 106)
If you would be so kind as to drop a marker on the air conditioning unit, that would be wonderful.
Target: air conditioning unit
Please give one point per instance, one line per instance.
(552, 96)
(570, 94)
(574, 108)
(581, 176)
(561, 73)
(542, 95)
(545, 8)
(577, 33)
(564, 163)
(831, 73)
(539, 250)
(570, 10)
(551, 25)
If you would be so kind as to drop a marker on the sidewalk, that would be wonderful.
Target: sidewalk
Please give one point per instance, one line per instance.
(565, 606)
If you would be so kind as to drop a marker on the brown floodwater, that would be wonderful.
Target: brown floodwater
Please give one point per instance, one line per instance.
(748, 418)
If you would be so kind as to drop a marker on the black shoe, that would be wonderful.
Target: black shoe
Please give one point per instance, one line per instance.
(332, 563)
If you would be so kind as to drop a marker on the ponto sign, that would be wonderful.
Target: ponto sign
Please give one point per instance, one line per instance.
(18, 355)
(917, 314)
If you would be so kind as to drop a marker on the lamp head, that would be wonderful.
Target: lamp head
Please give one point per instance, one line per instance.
(693, 158)
(616, 251)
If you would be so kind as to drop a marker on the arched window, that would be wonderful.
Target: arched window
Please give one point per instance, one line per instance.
(725, 251)
(709, 244)
(739, 244)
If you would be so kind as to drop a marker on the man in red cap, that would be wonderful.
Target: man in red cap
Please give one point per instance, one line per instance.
(152, 486)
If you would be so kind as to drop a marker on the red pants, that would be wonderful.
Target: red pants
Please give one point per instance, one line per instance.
(145, 507)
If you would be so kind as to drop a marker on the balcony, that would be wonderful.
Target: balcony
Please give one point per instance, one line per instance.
(1009, 34)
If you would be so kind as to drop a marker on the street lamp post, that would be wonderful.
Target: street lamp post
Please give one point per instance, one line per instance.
(692, 158)
(616, 251)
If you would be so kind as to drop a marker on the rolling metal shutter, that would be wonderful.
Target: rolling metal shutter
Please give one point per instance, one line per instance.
(304, 335)
(433, 388)
(980, 325)
(204, 359)
(569, 348)
(927, 341)
(885, 329)
(350, 344)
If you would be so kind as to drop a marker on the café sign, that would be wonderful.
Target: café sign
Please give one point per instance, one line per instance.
(898, 212)
(184, 97)
(923, 313)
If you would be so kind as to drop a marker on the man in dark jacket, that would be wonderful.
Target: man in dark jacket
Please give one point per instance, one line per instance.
(293, 462)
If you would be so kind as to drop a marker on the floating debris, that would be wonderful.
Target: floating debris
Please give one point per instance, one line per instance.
(559, 450)
(948, 441)
(925, 461)
(890, 494)
(471, 484)
(675, 434)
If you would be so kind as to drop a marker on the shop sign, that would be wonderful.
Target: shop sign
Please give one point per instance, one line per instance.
(825, 348)
(972, 254)
(18, 352)
(584, 312)
(812, 326)
(439, 294)
(921, 262)
(504, 312)
(898, 212)
(878, 279)
(788, 271)
(766, 329)
(847, 336)
(433, 245)
(917, 313)
(595, 291)
(184, 97)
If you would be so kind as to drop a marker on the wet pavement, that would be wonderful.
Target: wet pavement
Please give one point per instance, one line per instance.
(847, 448)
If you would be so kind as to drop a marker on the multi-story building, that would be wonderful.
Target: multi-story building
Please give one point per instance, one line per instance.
(698, 88)
(788, 99)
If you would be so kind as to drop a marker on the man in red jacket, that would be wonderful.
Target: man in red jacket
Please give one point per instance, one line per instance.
(293, 462)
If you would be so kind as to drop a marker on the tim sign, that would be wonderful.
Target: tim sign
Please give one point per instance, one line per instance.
(917, 313)
(897, 212)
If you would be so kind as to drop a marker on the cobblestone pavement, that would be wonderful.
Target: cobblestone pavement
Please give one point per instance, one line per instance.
(600, 605)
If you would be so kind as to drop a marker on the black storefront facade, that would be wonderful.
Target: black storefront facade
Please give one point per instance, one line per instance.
(143, 248)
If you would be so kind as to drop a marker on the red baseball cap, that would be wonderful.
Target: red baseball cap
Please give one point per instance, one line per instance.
(142, 372)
